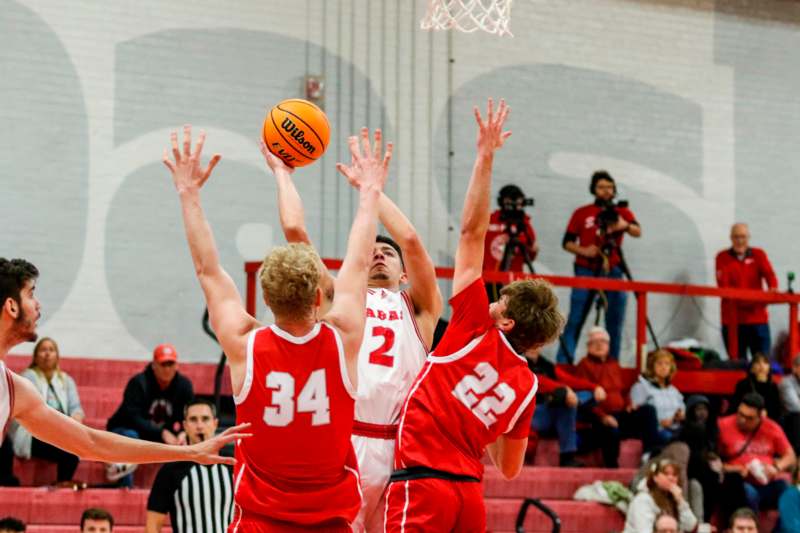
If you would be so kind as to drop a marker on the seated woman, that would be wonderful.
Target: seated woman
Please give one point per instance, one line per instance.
(759, 379)
(655, 388)
(660, 494)
(60, 392)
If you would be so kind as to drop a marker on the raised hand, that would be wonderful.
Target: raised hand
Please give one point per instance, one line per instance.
(275, 163)
(490, 132)
(371, 167)
(207, 452)
(186, 171)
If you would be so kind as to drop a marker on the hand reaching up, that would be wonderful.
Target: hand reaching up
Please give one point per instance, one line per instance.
(186, 171)
(370, 168)
(490, 132)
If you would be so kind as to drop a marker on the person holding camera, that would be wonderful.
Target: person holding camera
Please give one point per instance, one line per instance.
(510, 242)
(594, 235)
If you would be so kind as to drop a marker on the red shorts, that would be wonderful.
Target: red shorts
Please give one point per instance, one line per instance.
(262, 524)
(431, 504)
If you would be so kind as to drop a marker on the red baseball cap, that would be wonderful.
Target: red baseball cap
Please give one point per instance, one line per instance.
(165, 352)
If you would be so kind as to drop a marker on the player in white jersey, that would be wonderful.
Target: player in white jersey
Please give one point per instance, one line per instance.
(399, 331)
(19, 399)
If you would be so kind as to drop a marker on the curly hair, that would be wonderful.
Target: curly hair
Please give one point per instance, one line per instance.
(533, 306)
(289, 278)
(14, 274)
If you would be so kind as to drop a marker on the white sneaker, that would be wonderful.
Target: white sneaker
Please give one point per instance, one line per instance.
(117, 471)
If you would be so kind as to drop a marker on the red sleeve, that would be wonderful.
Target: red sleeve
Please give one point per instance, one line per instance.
(547, 385)
(574, 382)
(720, 268)
(522, 428)
(530, 230)
(782, 444)
(628, 215)
(470, 318)
(574, 225)
(766, 270)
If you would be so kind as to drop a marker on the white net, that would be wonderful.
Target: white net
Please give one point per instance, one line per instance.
(491, 16)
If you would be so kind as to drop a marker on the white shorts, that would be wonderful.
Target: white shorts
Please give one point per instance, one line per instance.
(375, 463)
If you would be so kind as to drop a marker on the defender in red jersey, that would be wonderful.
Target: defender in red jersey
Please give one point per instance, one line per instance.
(475, 392)
(294, 380)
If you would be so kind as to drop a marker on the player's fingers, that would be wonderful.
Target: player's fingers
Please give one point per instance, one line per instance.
(365, 142)
(198, 149)
(378, 148)
(211, 164)
(490, 111)
(477, 116)
(170, 164)
(355, 150)
(388, 156)
(506, 135)
(173, 137)
(504, 114)
(187, 139)
(263, 147)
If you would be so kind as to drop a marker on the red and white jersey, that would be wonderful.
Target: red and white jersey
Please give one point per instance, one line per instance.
(299, 465)
(6, 399)
(391, 356)
(473, 388)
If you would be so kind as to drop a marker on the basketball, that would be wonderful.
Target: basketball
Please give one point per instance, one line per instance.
(297, 131)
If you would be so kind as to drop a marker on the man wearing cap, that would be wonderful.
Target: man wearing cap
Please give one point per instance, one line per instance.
(152, 407)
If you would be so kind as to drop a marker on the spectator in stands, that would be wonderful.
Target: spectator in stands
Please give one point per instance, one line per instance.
(743, 267)
(596, 240)
(152, 407)
(759, 380)
(655, 388)
(59, 391)
(790, 398)
(754, 451)
(743, 520)
(509, 220)
(665, 524)
(196, 497)
(95, 520)
(789, 506)
(557, 404)
(699, 432)
(11, 525)
(613, 418)
(661, 494)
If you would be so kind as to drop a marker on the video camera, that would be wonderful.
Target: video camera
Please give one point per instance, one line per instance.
(512, 203)
(609, 215)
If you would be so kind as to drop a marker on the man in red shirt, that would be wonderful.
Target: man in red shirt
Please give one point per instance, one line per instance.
(475, 392)
(596, 245)
(743, 267)
(613, 418)
(754, 450)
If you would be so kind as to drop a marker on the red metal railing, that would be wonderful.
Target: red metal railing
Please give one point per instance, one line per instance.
(641, 290)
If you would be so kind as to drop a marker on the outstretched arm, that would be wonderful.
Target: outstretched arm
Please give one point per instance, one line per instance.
(48, 425)
(368, 173)
(292, 214)
(229, 319)
(475, 214)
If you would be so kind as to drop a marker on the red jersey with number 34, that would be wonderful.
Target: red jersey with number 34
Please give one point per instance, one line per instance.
(473, 388)
(299, 465)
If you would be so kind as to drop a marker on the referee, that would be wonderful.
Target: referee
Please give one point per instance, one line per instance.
(196, 497)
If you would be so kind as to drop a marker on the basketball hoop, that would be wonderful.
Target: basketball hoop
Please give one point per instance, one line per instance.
(491, 16)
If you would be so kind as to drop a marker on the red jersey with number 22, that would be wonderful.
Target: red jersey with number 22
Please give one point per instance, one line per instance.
(299, 465)
(473, 388)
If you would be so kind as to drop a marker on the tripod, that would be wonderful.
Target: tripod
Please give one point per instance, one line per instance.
(598, 297)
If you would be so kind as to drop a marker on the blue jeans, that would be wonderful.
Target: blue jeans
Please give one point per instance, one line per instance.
(547, 419)
(764, 496)
(126, 481)
(615, 315)
(753, 337)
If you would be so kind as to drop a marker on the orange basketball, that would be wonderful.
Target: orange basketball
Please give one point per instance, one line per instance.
(297, 131)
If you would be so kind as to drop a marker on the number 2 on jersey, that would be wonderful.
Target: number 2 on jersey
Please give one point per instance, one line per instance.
(381, 355)
(312, 399)
(493, 404)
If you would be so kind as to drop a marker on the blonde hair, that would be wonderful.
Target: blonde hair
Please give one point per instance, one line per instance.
(533, 306)
(653, 358)
(289, 278)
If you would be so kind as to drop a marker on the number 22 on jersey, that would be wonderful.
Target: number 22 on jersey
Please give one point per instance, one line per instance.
(313, 398)
(484, 380)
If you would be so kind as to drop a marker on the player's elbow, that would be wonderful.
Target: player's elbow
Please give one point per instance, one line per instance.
(511, 470)
(295, 233)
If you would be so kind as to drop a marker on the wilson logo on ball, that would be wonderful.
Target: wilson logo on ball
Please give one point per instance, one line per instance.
(297, 134)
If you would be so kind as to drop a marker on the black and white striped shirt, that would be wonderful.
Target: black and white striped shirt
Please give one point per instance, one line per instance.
(198, 498)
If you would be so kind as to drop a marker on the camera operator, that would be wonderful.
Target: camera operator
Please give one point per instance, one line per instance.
(594, 234)
(510, 236)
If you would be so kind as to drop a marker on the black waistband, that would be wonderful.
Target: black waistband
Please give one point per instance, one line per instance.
(423, 472)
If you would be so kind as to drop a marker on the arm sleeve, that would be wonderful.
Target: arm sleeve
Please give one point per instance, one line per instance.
(641, 515)
(628, 216)
(531, 232)
(639, 394)
(686, 517)
(160, 498)
(133, 404)
(720, 270)
(572, 381)
(73, 400)
(789, 395)
(547, 385)
(767, 272)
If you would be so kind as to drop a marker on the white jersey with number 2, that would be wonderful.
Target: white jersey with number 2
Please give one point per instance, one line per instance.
(392, 354)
